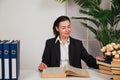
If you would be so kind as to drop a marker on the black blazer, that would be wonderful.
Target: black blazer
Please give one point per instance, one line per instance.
(51, 55)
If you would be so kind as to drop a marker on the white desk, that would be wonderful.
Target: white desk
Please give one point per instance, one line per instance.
(35, 75)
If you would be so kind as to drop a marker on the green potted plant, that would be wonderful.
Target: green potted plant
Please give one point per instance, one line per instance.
(105, 20)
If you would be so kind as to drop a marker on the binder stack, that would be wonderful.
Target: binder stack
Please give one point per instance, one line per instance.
(9, 59)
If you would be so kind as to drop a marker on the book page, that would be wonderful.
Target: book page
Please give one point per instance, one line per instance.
(70, 70)
(115, 68)
(55, 72)
(103, 63)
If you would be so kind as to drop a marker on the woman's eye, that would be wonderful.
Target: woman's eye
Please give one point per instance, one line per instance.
(63, 27)
(69, 27)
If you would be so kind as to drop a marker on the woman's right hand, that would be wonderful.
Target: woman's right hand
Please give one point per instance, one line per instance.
(42, 66)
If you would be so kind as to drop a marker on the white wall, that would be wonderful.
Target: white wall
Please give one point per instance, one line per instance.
(29, 21)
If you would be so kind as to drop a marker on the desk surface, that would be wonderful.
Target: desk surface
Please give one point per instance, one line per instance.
(35, 75)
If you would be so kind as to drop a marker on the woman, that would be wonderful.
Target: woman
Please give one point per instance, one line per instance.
(63, 49)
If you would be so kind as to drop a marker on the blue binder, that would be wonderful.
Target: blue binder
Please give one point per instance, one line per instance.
(18, 58)
(1, 60)
(14, 60)
(5, 65)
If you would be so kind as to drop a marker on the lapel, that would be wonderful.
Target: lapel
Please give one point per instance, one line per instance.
(57, 51)
(71, 50)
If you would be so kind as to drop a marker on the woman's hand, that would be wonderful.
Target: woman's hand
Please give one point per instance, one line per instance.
(42, 66)
(100, 58)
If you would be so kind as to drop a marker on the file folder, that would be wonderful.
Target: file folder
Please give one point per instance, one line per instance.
(14, 60)
(18, 58)
(1, 60)
(5, 65)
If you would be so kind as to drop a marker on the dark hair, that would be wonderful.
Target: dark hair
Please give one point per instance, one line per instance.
(57, 22)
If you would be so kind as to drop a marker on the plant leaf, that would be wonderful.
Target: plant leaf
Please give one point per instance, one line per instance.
(89, 27)
(89, 19)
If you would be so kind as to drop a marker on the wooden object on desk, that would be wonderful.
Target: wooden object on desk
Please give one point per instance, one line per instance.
(62, 72)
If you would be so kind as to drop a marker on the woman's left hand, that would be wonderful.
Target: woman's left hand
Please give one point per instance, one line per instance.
(100, 58)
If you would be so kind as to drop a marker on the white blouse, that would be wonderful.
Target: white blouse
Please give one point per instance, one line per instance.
(64, 48)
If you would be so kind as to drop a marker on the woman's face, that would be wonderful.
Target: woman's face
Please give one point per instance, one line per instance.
(64, 29)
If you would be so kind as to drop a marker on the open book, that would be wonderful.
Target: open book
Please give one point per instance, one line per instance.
(62, 72)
